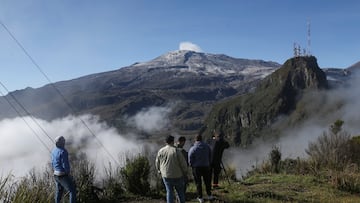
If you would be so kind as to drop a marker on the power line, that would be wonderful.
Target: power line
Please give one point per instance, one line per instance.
(56, 89)
(12, 106)
(26, 111)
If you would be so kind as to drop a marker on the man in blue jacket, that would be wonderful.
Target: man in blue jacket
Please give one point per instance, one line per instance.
(199, 160)
(61, 167)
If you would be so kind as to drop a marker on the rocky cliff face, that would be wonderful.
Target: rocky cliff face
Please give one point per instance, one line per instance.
(246, 117)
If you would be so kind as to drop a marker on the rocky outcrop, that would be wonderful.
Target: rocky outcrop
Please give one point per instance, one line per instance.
(252, 115)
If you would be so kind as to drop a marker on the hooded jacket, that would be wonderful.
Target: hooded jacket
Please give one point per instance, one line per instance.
(59, 158)
(200, 155)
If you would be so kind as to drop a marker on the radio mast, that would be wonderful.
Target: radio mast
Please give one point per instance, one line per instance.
(308, 48)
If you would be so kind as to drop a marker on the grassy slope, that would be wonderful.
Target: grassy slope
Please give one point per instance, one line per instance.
(272, 188)
(282, 188)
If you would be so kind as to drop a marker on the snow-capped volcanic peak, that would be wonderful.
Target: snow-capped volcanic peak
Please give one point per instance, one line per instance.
(174, 56)
(204, 63)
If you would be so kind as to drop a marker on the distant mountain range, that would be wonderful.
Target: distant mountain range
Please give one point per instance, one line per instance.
(188, 82)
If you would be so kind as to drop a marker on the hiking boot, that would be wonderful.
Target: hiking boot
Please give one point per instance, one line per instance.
(201, 200)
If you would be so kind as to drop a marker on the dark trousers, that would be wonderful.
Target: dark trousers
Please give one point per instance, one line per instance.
(215, 170)
(202, 173)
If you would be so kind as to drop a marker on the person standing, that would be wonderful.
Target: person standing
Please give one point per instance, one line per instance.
(180, 145)
(218, 145)
(61, 167)
(199, 159)
(172, 166)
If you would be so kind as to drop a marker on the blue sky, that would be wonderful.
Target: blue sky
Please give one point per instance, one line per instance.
(73, 38)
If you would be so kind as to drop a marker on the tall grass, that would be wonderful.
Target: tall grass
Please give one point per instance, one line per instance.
(333, 157)
(112, 185)
(347, 180)
(35, 187)
(5, 189)
(40, 186)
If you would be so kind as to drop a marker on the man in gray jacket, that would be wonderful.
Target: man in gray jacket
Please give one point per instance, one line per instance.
(172, 166)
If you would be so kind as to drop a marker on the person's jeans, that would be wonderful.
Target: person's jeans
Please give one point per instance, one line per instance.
(178, 184)
(64, 182)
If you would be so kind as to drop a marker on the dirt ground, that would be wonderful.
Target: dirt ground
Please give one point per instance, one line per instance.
(164, 201)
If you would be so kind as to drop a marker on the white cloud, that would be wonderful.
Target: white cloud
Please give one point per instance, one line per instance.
(151, 119)
(22, 151)
(189, 47)
(293, 142)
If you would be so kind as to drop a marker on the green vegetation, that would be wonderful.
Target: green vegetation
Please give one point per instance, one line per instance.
(136, 175)
(252, 115)
(329, 174)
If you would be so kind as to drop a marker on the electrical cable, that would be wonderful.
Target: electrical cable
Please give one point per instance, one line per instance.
(32, 129)
(26, 111)
(56, 89)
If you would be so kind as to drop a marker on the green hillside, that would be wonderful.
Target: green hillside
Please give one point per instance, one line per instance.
(248, 116)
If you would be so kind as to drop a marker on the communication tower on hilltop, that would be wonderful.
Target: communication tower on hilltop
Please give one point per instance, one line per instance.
(305, 52)
(308, 48)
(297, 49)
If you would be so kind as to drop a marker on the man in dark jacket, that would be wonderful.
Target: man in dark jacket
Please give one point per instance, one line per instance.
(218, 145)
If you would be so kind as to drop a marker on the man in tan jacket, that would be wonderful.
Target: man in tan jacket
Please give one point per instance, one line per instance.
(172, 166)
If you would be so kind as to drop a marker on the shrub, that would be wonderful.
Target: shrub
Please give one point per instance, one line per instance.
(135, 175)
(83, 174)
(113, 190)
(355, 149)
(331, 149)
(347, 180)
(275, 157)
(229, 173)
(295, 166)
(271, 165)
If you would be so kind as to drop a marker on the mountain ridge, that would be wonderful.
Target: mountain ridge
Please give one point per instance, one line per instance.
(195, 80)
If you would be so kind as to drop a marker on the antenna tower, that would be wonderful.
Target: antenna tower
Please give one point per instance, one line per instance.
(308, 39)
